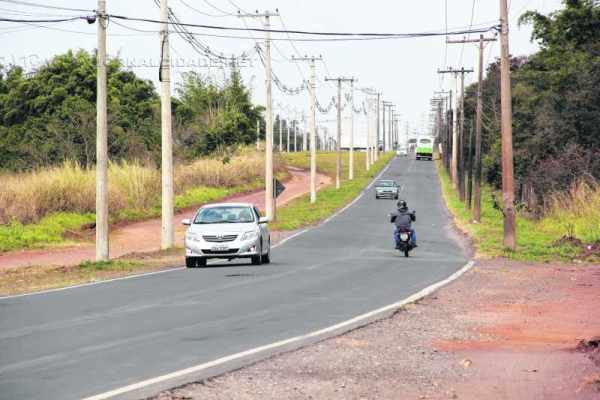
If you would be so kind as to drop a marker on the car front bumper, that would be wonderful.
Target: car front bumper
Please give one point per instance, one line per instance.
(390, 195)
(235, 249)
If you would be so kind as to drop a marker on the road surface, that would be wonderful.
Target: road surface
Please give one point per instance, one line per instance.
(84, 341)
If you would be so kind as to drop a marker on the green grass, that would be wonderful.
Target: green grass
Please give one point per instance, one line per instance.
(50, 230)
(113, 265)
(536, 240)
(300, 212)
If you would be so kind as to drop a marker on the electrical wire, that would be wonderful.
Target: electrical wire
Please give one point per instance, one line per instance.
(462, 50)
(202, 12)
(26, 3)
(312, 33)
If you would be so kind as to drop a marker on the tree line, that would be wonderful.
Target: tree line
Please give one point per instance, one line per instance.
(49, 116)
(556, 105)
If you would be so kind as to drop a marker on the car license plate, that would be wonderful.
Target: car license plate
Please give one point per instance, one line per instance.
(220, 248)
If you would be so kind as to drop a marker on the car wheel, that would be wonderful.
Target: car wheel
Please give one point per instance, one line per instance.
(190, 262)
(266, 259)
(257, 259)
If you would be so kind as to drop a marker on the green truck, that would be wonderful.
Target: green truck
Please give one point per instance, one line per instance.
(425, 149)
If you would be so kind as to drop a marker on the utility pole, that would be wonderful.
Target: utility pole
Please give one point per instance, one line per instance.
(351, 155)
(338, 162)
(168, 206)
(391, 127)
(384, 132)
(269, 191)
(258, 134)
(313, 125)
(458, 136)
(378, 134)
(477, 169)
(102, 253)
(383, 143)
(296, 135)
(287, 144)
(280, 134)
(507, 145)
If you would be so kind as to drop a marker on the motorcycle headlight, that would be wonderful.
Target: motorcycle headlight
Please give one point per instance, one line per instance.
(250, 235)
(404, 236)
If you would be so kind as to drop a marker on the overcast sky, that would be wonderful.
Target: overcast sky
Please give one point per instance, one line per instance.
(405, 70)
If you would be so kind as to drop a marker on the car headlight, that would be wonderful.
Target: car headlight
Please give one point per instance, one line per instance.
(192, 237)
(249, 235)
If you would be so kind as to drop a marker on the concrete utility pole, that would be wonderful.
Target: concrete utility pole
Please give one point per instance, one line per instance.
(377, 133)
(508, 195)
(269, 191)
(458, 177)
(477, 169)
(296, 136)
(338, 163)
(168, 206)
(313, 125)
(258, 134)
(102, 253)
(391, 127)
(383, 127)
(351, 155)
(287, 144)
(280, 134)
(386, 139)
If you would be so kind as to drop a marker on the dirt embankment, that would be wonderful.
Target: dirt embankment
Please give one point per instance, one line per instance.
(503, 331)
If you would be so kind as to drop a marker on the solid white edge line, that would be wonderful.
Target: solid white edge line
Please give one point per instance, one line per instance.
(346, 324)
(180, 268)
(91, 283)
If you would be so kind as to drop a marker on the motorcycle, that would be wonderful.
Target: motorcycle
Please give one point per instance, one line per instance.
(404, 242)
(403, 238)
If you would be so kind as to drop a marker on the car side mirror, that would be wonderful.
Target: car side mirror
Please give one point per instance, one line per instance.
(263, 220)
(186, 221)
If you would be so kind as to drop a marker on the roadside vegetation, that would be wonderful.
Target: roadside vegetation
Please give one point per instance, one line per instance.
(37, 278)
(300, 212)
(37, 208)
(556, 136)
(550, 238)
(556, 107)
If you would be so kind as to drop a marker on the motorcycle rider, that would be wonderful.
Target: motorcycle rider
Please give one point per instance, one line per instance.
(402, 220)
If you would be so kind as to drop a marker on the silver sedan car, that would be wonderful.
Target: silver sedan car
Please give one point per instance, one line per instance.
(227, 231)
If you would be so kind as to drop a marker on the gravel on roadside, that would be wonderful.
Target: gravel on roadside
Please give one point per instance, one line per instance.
(504, 330)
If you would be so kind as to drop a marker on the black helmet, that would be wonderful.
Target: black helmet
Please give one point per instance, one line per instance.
(402, 205)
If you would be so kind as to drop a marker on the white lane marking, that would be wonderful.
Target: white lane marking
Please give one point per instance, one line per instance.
(331, 329)
(92, 283)
(182, 268)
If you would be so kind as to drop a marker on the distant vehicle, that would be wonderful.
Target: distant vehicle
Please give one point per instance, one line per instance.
(386, 188)
(425, 149)
(227, 231)
(402, 152)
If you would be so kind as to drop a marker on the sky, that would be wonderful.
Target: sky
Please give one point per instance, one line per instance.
(404, 70)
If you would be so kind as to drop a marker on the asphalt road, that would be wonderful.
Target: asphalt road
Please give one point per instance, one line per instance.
(84, 341)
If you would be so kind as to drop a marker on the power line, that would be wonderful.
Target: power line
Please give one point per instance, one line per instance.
(313, 33)
(462, 50)
(26, 3)
(225, 13)
(202, 12)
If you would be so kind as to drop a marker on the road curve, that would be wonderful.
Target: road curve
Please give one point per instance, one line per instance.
(84, 341)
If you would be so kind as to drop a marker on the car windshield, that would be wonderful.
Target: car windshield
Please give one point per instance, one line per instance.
(225, 215)
(386, 183)
(425, 141)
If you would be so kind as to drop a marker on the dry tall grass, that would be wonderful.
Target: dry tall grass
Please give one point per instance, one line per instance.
(577, 211)
(28, 197)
